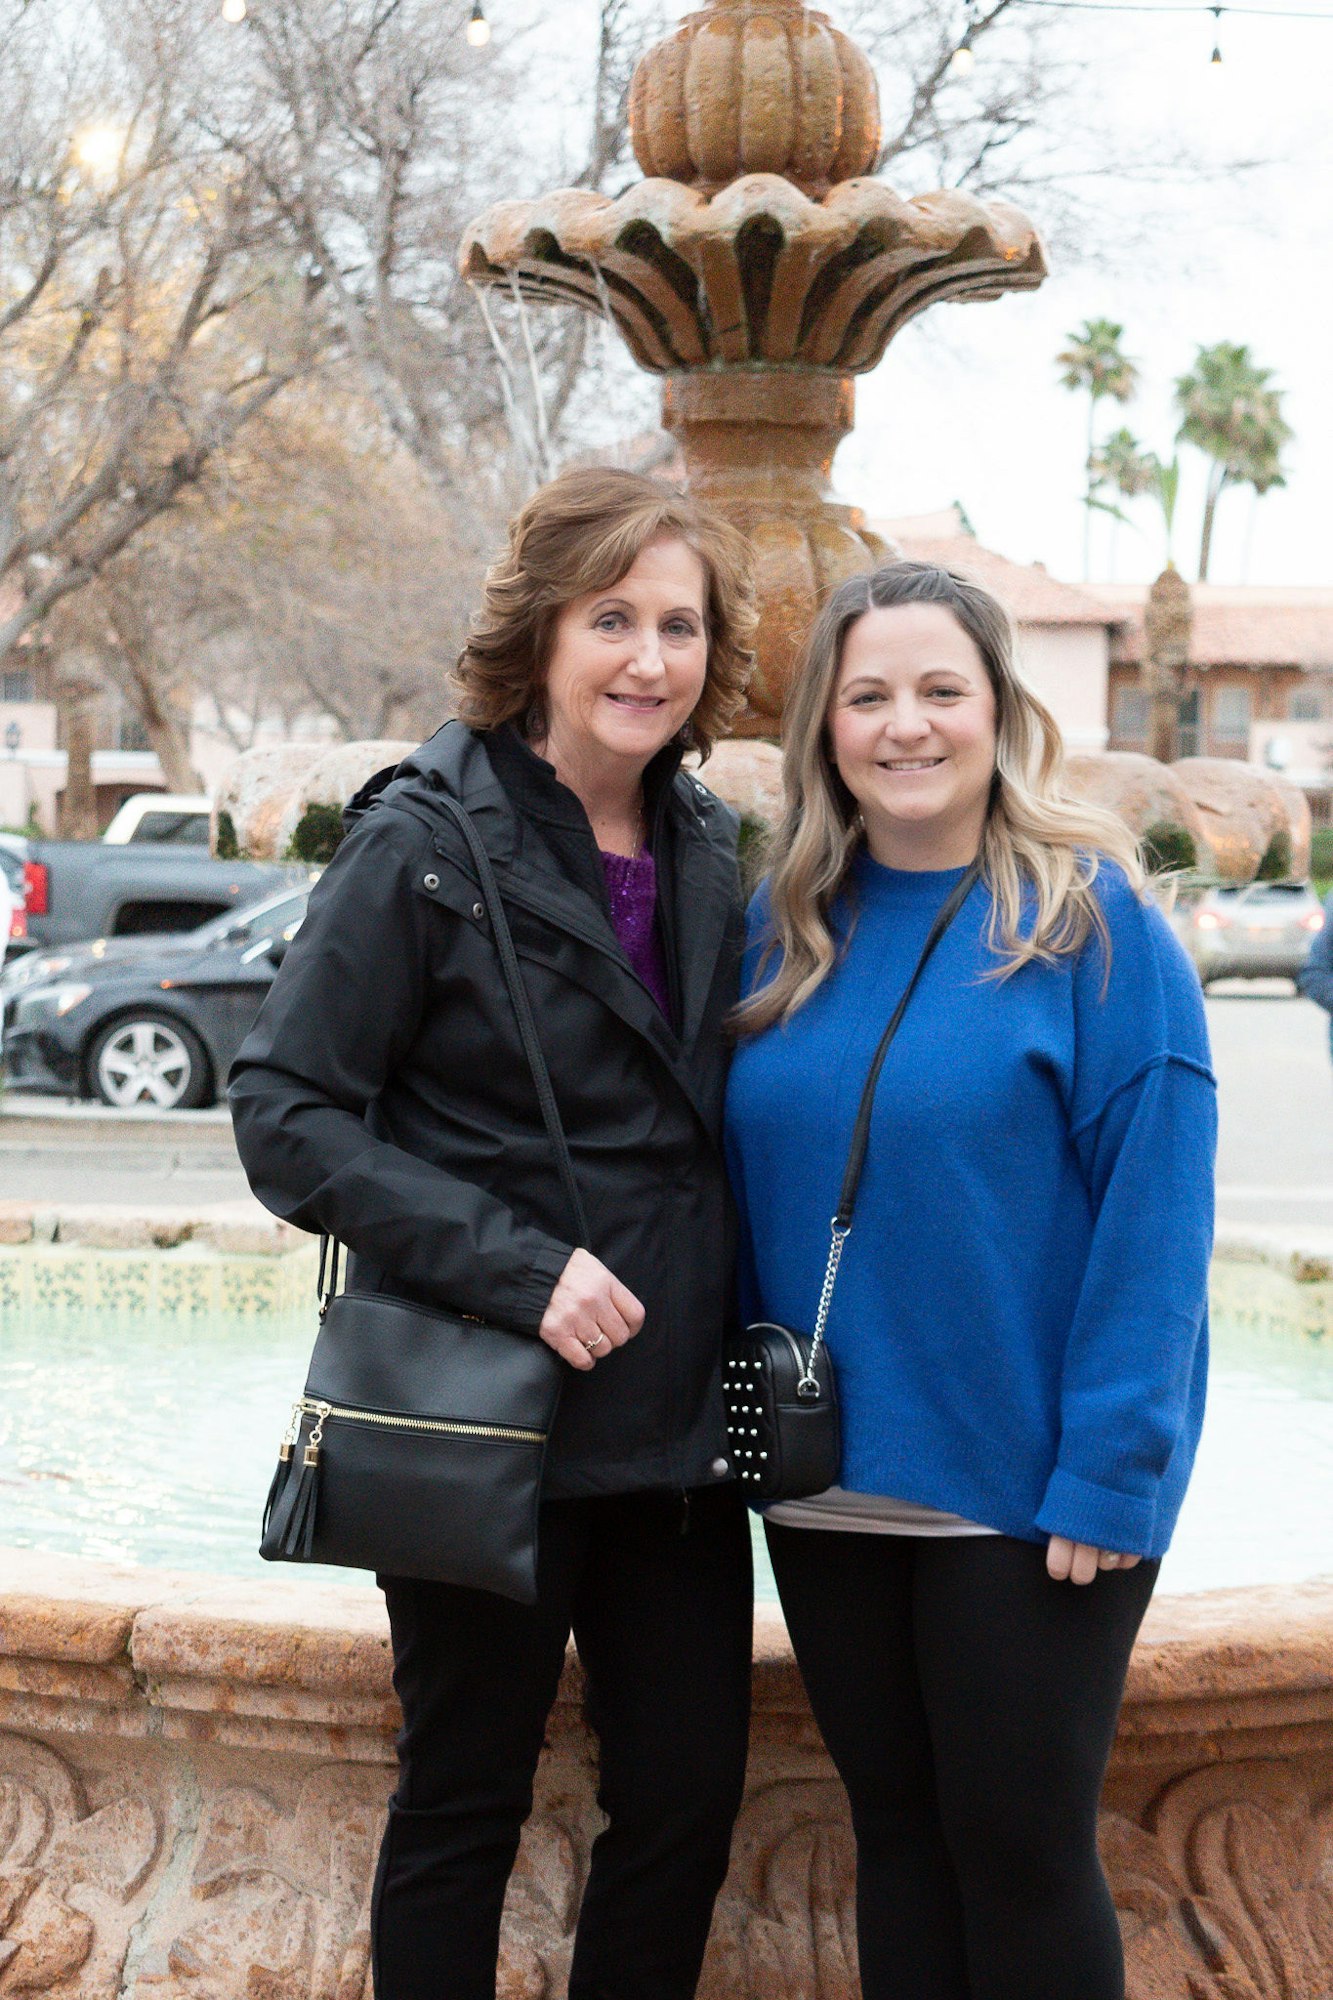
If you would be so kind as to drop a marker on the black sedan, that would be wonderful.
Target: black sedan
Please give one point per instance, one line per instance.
(151, 1021)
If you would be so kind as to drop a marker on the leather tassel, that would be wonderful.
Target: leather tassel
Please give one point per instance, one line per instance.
(280, 1473)
(298, 1537)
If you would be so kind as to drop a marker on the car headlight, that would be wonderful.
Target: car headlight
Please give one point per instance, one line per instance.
(33, 970)
(48, 1003)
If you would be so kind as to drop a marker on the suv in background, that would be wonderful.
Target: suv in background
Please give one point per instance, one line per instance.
(1259, 930)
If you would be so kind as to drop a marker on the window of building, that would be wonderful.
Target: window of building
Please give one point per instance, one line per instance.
(1129, 713)
(17, 685)
(1305, 704)
(130, 732)
(1231, 714)
(1187, 733)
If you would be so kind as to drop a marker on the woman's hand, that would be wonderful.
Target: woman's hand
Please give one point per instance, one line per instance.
(1079, 1562)
(590, 1313)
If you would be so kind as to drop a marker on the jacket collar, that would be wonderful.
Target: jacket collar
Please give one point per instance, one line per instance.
(532, 826)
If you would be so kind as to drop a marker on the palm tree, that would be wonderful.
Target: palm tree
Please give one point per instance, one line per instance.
(1232, 414)
(1094, 360)
(1122, 462)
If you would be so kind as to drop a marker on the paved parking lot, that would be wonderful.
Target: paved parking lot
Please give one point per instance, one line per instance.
(1275, 1079)
(1275, 1161)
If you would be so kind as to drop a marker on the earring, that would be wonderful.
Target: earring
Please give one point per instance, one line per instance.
(534, 720)
(685, 735)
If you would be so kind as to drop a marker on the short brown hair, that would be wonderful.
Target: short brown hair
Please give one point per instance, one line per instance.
(580, 533)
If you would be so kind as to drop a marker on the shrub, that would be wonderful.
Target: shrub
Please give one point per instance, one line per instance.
(318, 835)
(228, 847)
(1321, 853)
(1168, 848)
(1276, 864)
(752, 850)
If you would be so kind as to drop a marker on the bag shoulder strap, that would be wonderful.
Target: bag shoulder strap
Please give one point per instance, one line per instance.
(808, 1387)
(856, 1157)
(527, 1029)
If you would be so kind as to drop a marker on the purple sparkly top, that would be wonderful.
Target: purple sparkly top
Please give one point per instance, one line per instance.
(631, 888)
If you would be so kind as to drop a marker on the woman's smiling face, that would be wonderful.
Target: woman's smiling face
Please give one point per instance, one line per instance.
(912, 733)
(628, 663)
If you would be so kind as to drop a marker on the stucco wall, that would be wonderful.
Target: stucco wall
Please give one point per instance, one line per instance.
(1068, 667)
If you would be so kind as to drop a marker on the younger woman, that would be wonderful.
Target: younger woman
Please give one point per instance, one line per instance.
(1019, 1324)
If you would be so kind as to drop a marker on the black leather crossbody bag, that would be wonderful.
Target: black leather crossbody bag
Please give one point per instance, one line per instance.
(778, 1386)
(417, 1446)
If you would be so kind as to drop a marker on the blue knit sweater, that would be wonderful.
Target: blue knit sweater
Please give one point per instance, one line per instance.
(1020, 1323)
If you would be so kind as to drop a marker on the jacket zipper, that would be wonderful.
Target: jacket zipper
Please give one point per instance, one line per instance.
(450, 1427)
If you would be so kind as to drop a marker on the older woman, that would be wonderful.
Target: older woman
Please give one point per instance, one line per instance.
(1019, 1325)
(383, 1097)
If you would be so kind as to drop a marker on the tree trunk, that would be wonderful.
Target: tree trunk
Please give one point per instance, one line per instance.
(76, 813)
(143, 678)
(1217, 479)
(1087, 497)
(1167, 623)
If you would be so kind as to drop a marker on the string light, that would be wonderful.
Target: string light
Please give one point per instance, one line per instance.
(478, 30)
(233, 11)
(98, 149)
(963, 60)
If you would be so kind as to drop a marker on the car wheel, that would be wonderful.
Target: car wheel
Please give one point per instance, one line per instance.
(150, 1060)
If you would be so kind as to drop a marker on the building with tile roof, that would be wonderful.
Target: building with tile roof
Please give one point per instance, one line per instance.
(1260, 683)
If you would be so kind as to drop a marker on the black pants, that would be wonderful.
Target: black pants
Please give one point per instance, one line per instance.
(969, 1704)
(658, 1596)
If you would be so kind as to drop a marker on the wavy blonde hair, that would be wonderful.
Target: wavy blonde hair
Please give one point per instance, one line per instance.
(1040, 850)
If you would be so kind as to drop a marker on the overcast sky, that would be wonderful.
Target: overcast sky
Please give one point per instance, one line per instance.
(966, 405)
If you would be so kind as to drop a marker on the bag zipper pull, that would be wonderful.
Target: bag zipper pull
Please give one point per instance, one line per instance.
(311, 1454)
(288, 1445)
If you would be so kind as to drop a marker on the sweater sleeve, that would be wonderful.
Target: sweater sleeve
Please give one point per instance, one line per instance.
(1316, 980)
(1144, 1125)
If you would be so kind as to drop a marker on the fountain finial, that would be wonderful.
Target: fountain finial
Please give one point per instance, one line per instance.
(755, 87)
(757, 269)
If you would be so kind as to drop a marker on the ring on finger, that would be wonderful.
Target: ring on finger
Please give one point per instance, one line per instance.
(591, 1345)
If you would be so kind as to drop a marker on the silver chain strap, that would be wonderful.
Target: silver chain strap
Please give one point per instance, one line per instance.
(808, 1387)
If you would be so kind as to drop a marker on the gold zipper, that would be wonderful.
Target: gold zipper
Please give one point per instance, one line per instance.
(511, 1433)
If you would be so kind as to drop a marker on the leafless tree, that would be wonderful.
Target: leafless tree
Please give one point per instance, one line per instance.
(143, 323)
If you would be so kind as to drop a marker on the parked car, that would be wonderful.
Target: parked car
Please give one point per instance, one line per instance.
(148, 1020)
(79, 889)
(13, 895)
(170, 819)
(1262, 930)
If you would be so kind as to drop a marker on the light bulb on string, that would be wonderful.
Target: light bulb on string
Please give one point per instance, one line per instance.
(1215, 59)
(233, 11)
(963, 60)
(478, 30)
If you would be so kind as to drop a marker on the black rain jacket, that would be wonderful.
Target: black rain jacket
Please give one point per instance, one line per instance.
(383, 1094)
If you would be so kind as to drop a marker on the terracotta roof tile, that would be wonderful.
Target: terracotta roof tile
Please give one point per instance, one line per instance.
(1236, 625)
(1031, 596)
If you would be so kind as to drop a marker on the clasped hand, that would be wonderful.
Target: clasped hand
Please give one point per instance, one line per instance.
(1079, 1562)
(590, 1313)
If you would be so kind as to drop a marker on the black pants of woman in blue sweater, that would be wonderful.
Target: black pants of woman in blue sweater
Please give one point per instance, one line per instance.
(969, 1704)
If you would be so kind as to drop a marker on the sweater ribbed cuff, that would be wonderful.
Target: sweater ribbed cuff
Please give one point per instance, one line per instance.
(1098, 1515)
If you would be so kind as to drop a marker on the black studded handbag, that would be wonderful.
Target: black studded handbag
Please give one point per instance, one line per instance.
(778, 1386)
(417, 1446)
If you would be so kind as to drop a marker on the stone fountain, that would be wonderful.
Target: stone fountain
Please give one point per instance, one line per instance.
(757, 270)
